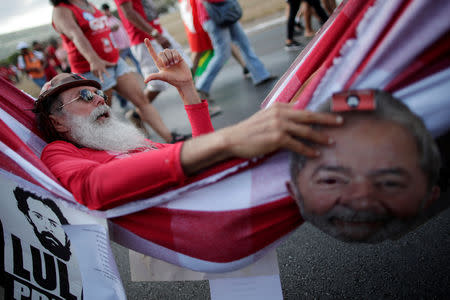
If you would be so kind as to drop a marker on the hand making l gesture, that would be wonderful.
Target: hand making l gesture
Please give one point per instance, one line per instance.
(172, 67)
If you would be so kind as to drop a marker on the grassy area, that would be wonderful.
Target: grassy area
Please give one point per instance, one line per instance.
(28, 86)
(252, 11)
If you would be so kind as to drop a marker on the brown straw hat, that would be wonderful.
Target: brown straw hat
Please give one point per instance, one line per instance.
(62, 82)
(48, 95)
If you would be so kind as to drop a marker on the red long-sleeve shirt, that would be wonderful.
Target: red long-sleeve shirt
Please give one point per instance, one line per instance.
(130, 176)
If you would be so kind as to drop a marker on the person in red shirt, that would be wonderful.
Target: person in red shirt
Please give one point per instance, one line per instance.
(50, 51)
(140, 19)
(86, 36)
(198, 39)
(105, 162)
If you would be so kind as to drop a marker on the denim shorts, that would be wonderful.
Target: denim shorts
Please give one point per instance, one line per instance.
(115, 72)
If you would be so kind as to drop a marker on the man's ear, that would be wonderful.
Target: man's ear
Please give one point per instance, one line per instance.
(290, 189)
(434, 195)
(58, 124)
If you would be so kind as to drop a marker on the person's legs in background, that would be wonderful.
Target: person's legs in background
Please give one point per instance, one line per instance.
(129, 87)
(124, 53)
(329, 6)
(221, 41)
(238, 57)
(323, 17)
(257, 70)
(145, 111)
(310, 8)
(291, 44)
(307, 14)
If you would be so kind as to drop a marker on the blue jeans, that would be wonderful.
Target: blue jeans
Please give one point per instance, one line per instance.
(221, 38)
(126, 52)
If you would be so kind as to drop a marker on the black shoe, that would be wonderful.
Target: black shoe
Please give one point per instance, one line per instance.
(268, 79)
(178, 137)
(293, 46)
(245, 72)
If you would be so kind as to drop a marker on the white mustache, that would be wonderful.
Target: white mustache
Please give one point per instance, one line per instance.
(98, 111)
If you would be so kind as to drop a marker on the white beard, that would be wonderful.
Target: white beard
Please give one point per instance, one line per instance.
(110, 134)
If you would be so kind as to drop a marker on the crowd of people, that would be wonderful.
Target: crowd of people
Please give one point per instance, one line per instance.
(81, 49)
(40, 62)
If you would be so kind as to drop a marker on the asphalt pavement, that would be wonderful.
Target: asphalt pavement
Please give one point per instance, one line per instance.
(312, 265)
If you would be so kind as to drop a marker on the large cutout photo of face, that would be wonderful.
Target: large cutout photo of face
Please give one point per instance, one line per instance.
(376, 181)
(46, 219)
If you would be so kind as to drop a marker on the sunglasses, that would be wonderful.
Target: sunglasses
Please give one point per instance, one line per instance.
(86, 96)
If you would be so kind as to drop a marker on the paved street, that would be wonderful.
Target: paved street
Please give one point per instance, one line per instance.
(312, 265)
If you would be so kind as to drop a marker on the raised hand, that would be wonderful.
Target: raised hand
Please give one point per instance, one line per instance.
(172, 67)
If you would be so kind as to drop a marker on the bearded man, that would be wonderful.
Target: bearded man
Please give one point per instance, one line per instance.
(105, 163)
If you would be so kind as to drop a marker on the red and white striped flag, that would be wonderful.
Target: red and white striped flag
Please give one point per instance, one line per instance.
(231, 215)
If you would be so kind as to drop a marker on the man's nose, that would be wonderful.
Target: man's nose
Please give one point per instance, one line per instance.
(360, 195)
(48, 226)
(98, 100)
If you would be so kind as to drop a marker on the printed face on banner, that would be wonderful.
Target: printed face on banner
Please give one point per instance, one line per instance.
(48, 228)
(367, 187)
(36, 261)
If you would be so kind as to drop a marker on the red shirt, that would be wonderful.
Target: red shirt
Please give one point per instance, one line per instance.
(198, 39)
(96, 30)
(51, 53)
(146, 10)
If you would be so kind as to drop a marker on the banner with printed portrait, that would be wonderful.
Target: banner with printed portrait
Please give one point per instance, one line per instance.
(51, 251)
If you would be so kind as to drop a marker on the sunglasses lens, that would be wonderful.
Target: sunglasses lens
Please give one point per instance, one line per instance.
(101, 94)
(86, 95)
